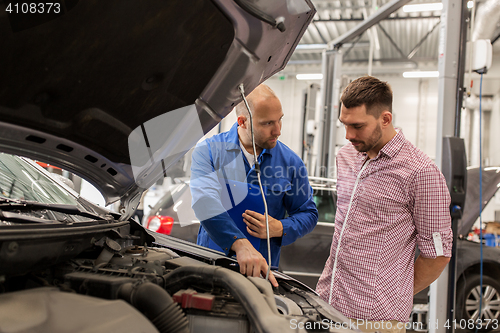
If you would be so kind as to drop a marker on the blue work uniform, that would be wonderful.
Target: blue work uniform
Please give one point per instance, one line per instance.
(283, 176)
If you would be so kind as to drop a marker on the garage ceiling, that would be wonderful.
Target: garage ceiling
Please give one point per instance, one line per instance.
(404, 39)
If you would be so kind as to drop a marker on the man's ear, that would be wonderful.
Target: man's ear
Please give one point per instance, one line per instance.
(386, 118)
(241, 121)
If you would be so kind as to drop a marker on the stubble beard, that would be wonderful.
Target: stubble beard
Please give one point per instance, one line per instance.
(368, 145)
(261, 143)
(267, 145)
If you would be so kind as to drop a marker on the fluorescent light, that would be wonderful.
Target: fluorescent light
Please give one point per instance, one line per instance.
(420, 74)
(309, 76)
(470, 4)
(423, 7)
(311, 46)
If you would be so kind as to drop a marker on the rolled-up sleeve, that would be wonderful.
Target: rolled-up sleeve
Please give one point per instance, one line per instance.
(431, 213)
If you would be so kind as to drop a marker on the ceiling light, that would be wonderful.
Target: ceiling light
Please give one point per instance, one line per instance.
(423, 7)
(470, 4)
(420, 74)
(309, 76)
(311, 46)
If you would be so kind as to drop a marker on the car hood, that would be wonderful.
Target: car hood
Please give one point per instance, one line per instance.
(117, 91)
(490, 184)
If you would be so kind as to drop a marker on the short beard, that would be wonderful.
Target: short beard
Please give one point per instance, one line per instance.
(371, 142)
(267, 145)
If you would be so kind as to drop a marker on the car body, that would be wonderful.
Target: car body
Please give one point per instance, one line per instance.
(164, 215)
(305, 258)
(116, 92)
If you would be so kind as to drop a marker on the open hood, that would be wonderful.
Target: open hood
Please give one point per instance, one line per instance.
(117, 91)
(491, 183)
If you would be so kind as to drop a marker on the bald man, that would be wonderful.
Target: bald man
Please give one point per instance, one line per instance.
(230, 156)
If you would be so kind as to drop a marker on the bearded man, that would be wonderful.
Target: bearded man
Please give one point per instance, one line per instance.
(391, 197)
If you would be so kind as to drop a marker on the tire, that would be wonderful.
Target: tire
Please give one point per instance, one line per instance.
(468, 295)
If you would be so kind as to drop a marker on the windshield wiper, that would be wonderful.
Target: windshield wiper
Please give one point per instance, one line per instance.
(10, 204)
(20, 218)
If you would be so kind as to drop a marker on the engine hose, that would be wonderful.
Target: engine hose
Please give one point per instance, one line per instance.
(244, 291)
(157, 305)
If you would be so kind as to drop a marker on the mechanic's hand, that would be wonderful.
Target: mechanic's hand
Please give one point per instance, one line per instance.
(251, 262)
(256, 225)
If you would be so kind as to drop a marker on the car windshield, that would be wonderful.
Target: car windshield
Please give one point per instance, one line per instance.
(22, 181)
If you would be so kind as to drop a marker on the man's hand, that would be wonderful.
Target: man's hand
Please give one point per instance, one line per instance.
(256, 225)
(426, 271)
(251, 262)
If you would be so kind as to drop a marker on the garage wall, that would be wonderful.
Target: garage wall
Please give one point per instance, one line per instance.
(415, 110)
(491, 87)
(410, 96)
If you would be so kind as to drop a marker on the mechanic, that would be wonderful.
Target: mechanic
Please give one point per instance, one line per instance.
(391, 196)
(229, 155)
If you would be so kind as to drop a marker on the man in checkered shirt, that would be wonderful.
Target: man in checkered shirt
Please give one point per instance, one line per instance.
(391, 197)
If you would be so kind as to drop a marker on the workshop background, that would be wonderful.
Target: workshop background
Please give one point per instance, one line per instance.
(404, 49)
(406, 42)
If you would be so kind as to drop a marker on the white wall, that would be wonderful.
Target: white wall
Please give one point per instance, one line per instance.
(405, 109)
(415, 109)
(89, 192)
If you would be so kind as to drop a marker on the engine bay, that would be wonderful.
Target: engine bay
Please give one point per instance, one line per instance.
(115, 280)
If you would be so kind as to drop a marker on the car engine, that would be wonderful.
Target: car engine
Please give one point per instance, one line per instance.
(118, 286)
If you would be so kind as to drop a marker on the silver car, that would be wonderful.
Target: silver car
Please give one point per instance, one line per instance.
(117, 92)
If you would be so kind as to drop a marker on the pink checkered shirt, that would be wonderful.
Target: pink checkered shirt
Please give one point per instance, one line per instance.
(399, 200)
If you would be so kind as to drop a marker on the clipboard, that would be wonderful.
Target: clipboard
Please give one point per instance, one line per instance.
(236, 197)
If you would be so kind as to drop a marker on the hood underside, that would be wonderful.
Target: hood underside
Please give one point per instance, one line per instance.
(491, 183)
(80, 85)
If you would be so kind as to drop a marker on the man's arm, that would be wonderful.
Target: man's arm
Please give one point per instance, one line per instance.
(251, 262)
(426, 271)
(431, 213)
(256, 225)
(302, 220)
(303, 214)
(206, 198)
(205, 190)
